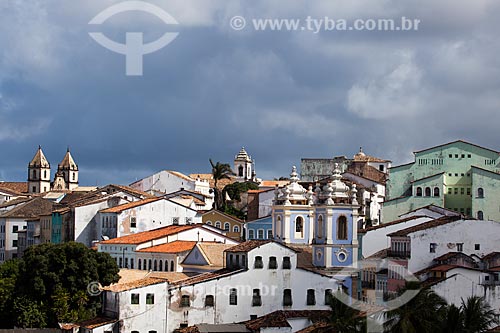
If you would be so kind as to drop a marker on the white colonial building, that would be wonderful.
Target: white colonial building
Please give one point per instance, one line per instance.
(168, 181)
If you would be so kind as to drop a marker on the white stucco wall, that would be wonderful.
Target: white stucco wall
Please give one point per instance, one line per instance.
(165, 182)
(468, 232)
(376, 240)
(271, 283)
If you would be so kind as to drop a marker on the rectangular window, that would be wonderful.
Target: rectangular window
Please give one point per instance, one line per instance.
(450, 155)
(460, 247)
(260, 234)
(14, 243)
(311, 297)
(432, 247)
(15, 228)
(150, 298)
(273, 263)
(477, 247)
(462, 191)
(233, 297)
(449, 190)
(258, 262)
(185, 301)
(287, 263)
(328, 296)
(468, 156)
(134, 298)
(251, 234)
(133, 222)
(468, 190)
(287, 297)
(175, 220)
(456, 190)
(209, 300)
(256, 299)
(270, 234)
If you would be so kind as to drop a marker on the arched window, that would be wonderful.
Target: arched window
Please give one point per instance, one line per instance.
(140, 264)
(160, 266)
(155, 267)
(299, 226)
(45, 174)
(150, 264)
(209, 223)
(172, 266)
(342, 227)
(427, 191)
(480, 192)
(144, 267)
(227, 226)
(166, 265)
(419, 191)
(240, 171)
(436, 191)
(34, 174)
(320, 226)
(236, 229)
(480, 215)
(217, 224)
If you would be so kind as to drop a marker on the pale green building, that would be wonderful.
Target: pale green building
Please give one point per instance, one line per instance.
(460, 176)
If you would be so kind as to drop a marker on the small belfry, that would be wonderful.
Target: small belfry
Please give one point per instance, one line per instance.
(69, 171)
(65, 179)
(243, 166)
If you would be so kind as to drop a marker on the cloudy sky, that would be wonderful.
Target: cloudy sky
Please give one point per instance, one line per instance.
(283, 95)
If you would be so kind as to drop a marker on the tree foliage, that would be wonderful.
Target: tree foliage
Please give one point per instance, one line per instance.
(49, 285)
(220, 171)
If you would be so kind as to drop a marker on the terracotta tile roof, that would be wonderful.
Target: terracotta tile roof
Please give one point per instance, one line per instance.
(280, 318)
(33, 208)
(208, 176)
(273, 183)
(129, 190)
(11, 191)
(130, 275)
(19, 187)
(72, 196)
(247, 246)
(14, 202)
(406, 219)
(379, 255)
(147, 281)
(426, 225)
(304, 256)
(443, 268)
(96, 322)
(450, 255)
(366, 171)
(490, 255)
(146, 236)
(129, 205)
(205, 277)
(172, 247)
(214, 252)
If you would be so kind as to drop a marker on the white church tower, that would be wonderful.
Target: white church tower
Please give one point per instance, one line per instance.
(243, 166)
(39, 173)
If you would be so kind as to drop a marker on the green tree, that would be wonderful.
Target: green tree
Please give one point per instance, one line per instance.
(9, 271)
(419, 315)
(345, 319)
(452, 320)
(220, 171)
(50, 283)
(477, 315)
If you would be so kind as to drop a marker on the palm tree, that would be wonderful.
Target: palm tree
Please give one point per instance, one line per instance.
(220, 171)
(419, 315)
(452, 320)
(477, 315)
(345, 318)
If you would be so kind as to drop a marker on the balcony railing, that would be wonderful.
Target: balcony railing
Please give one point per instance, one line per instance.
(399, 254)
(368, 284)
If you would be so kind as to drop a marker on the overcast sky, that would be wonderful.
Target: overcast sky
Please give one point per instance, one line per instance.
(284, 95)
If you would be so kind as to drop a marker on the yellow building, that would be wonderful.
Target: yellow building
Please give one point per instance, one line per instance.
(232, 225)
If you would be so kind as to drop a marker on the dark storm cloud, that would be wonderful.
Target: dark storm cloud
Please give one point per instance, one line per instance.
(282, 95)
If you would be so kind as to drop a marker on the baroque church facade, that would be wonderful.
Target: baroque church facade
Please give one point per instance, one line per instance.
(39, 178)
(324, 218)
